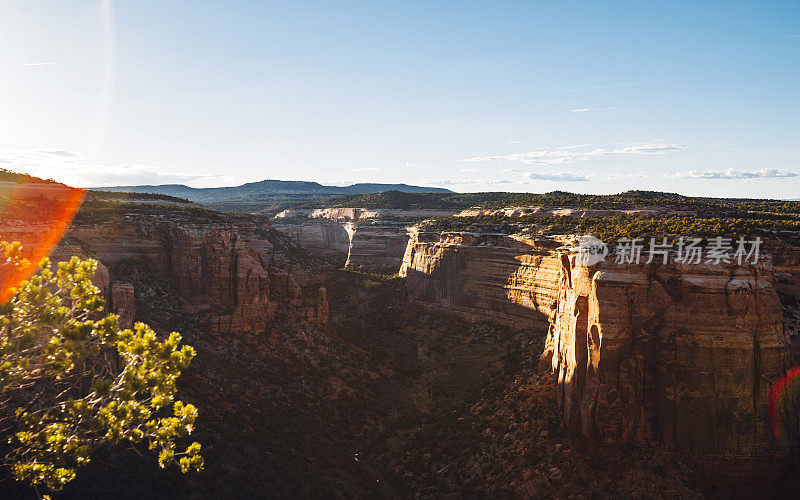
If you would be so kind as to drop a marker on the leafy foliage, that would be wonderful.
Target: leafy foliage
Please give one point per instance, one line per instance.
(73, 381)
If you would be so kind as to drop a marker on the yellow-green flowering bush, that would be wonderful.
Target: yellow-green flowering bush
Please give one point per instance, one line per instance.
(71, 380)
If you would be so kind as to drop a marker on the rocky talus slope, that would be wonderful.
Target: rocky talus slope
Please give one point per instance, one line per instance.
(679, 356)
(460, 409)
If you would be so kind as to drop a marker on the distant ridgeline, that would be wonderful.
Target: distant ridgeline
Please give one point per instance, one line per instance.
(629, 214)
(101, 194)
(270, 196)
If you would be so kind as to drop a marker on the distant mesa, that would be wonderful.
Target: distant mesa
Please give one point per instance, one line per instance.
(253, 190)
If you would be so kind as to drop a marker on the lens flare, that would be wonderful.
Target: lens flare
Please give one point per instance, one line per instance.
(37, 214)
(780, 390)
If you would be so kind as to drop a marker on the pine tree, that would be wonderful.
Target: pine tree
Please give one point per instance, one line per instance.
(71, 380)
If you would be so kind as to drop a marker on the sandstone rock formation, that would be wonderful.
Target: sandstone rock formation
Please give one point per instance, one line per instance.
(678, 355)
(230, 273)
(378, 247)
(538, 211)
(324, 238)
(505, 279)
(234, 281)
(377, 244)
(682, 355)
(353, 214)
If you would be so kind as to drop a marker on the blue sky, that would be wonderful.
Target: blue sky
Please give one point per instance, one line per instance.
(699, 98)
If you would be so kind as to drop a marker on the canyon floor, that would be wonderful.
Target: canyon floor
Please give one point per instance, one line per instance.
(391, 402)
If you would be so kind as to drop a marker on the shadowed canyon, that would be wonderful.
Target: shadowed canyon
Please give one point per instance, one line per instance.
(369, 353)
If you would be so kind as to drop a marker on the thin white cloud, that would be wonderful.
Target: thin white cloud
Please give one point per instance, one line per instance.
(571, 154)
(622, 175)
(42, 64)
(559, 177)
(764, 173)
(368, 169)
(71, 168)
(586, 110)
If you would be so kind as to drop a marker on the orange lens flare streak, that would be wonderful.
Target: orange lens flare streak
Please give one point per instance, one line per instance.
(775, 394)
(37, 215)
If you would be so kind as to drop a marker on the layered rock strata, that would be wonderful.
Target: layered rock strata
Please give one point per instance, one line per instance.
(505, 279)
(353, 214)
(680, 355)
(539, 211)
(326, 239)
(371, 240)
(235, 275)
(377, 247)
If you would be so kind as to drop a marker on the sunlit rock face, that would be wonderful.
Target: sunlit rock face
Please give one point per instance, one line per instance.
(680, 355)
(683, 355)
(374, 247)
(356, 237)
(353, 214)
(495, 277)
(538, 211)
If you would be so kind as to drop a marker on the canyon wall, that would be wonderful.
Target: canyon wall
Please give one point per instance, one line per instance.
(539, 211)
(377, 247)
(353, 214)
(679, 355)
(235, 275)
(373, 244)
(327, 239)
(682, 355)
(505, 279)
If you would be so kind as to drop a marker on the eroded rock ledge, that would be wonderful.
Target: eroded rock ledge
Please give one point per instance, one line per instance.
(495, 277)
(679, 355)
(682, 356)
(234, 275)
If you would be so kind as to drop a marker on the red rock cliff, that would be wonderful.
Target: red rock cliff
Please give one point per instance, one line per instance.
(491, 277)
(235, 275)
(678, 355)
(682, 355)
